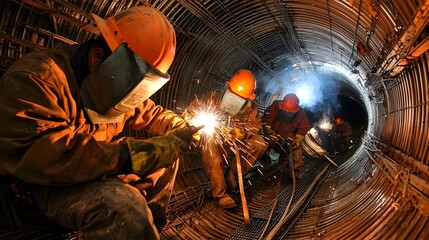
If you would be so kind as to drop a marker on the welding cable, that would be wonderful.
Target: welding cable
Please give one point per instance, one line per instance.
(278, 189)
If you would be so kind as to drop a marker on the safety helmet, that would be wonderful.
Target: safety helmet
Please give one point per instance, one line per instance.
(147, 32)
(290, 103)
(243, 83)
(339, 121)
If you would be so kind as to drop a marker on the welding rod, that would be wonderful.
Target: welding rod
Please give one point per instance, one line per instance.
(330, 160)
(241, 186)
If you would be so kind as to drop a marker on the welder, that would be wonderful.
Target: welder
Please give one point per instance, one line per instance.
(342, 134)
(62, 114)
(236, 102)
(287, 122)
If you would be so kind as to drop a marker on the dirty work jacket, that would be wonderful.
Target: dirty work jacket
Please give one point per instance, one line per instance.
(299, 125)
(45, 137)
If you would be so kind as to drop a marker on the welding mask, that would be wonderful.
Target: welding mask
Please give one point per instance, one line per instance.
(119, 84)
(231, 103)
(238, 92)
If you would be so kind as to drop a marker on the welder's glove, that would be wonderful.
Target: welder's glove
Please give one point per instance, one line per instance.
(186, 134)
(296, 143)
(268, 131)
(148, 155)
(183, 123)
(179, 122)
(151, 154)
(235, 133)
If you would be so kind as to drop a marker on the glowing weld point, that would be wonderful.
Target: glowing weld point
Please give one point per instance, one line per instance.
(325, 125)
(209, 120)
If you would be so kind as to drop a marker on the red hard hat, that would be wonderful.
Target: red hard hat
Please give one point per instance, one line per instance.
(290, 103)
(339, 121)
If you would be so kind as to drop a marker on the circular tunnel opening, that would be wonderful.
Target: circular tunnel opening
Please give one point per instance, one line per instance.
(338, 122)
(324, 96)
(328, 138)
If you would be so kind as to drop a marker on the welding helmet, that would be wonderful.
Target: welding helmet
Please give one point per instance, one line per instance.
(143, 45)
(147, 32)
(290, 103)
(118, 85)
(239, 91)
(339, 121)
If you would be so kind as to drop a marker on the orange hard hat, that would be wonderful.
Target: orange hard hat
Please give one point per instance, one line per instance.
(290, 103)
(243, 83)
(147, 32)
(339, 121)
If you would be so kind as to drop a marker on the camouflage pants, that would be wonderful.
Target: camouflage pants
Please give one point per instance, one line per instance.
(112, 208)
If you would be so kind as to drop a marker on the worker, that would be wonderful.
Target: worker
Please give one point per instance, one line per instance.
(236, 103)
(62, 114)
(287, 120)
(342, 134)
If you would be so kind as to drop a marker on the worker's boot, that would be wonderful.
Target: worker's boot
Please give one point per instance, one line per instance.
(226, 202)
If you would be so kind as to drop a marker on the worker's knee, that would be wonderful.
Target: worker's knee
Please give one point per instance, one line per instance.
(109, 209)
(124, 212)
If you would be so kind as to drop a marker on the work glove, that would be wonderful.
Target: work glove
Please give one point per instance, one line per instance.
(268, 131)
(235, 133)
(186, 134)
(179, 122)
(183, 123)
(148, 155)
(296, 143)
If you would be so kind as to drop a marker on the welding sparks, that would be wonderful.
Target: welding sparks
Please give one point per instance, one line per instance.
(209, 120)
(217, 129)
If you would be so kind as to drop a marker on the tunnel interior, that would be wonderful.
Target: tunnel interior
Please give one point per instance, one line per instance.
(363, 60)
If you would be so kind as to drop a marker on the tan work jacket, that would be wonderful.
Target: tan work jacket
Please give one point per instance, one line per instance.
(45, 137)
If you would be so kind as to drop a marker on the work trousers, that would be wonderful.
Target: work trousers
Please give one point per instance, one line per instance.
(214, 158)
(112, 208)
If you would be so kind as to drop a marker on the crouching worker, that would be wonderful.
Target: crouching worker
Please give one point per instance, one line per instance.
(287, 120)
(62, 114)
(236, 101)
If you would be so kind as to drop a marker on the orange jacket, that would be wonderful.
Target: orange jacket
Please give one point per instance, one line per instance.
(45, 137)
(299, 124)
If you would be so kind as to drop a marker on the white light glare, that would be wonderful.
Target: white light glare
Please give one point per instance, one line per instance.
(209, 120)
(325, 125)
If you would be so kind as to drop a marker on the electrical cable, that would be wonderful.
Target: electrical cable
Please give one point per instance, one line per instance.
(278, 187)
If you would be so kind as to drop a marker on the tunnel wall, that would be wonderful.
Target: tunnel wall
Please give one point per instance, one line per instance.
(402, 117)
(381, 192)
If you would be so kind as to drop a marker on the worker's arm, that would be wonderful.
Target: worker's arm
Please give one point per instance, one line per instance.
(154, 118)
(270, 113)
(40, 139)
(252, 122)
